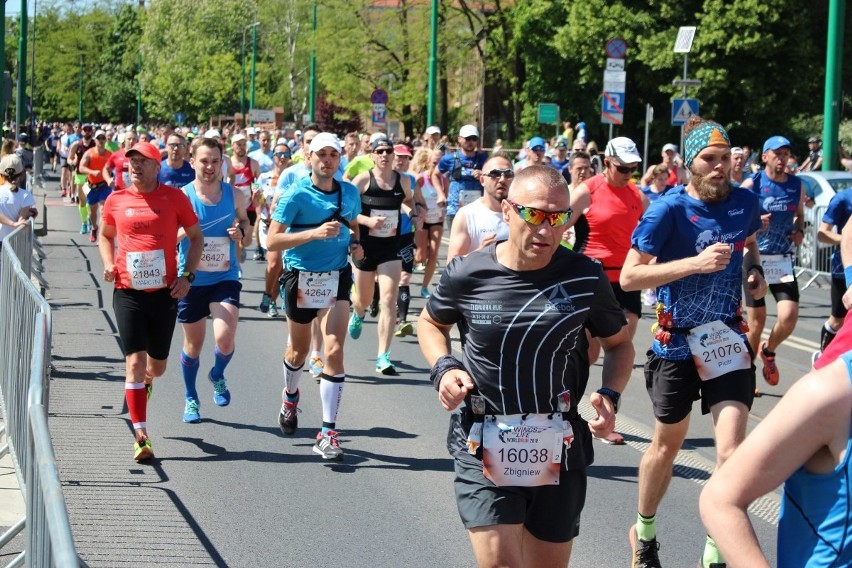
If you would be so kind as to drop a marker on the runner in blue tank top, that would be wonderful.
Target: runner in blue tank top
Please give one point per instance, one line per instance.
(692, 245)
(836, 216)
(314, 223)
(216, 289)
(782, 212)
(807, 441)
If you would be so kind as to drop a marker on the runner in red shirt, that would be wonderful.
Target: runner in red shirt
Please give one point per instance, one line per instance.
(96, 189)
(117, 170)
(143, 220)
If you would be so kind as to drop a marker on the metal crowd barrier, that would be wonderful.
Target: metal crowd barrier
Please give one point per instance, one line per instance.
(813, 259)
(25, 344)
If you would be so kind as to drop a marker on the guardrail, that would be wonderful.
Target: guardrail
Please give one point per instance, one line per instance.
(25, 343)
(813, 259)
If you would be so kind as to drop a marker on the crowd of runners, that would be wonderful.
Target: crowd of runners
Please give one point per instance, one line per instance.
(553, 255)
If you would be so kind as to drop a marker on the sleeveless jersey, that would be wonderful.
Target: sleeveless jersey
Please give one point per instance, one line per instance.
(387, 203)
(815, 529)
(97, 162)
(482, 222)
(613, 214)
(243, 178)
(214, 221)
(83, 147)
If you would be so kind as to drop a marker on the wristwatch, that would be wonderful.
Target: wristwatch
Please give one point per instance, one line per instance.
(190, 276)
(614, 396)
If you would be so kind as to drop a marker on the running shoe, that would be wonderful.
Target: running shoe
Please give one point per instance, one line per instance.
(190, 411)
(816, 355)
(64, 193)
(404, 329)
(264, 303)
(317, 367)
(221, 394)
(645, 552)
(93, 236)
(374, 309)
(384, 365)
(328, 446)
(84, 228)
(770, 370)
(419, 268)
(355, 326)
(258, 255)
(273, 311)
(424, 292)
(288, 418)
(142, 450)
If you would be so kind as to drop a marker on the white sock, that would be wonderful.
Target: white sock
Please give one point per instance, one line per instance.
(291, 377)
(331, 389)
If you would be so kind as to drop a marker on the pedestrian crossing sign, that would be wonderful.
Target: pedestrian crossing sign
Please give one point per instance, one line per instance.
(682, 109)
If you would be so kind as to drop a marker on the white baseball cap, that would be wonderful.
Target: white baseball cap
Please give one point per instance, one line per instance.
(668, 147)
(433, 130)
(469, 130)
(238, 137)
(324, 140)
(623, 149)
(212, 133)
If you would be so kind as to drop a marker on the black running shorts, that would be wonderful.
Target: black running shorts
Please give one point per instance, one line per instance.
(783, 291)
(550, 512)
(146, 321)
(629, 301)
(838, 288)
(406, 252)
(290, 286)
(674, 385)
(376, 253)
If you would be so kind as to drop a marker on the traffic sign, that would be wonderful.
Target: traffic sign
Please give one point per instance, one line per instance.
(683, 43)
(615, 81)
(180, 117)
(613, 64)
(379, 97)
(682, 109)
(616, 48)
(616, 118)
(379, 115)
(612, 103)
(261, 115)
(548, 113)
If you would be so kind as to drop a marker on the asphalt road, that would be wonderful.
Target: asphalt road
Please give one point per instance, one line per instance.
(233, 491)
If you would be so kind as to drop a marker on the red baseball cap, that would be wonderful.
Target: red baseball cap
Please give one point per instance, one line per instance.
(147, 150)
(402, 150)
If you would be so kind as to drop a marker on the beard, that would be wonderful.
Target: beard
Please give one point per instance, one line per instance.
(708, 191)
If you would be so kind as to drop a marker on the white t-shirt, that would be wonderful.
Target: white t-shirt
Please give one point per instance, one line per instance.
(483, 222)
(11, 205)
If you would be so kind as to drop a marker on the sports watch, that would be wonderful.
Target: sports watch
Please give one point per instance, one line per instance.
(614, 396)
(190, 276)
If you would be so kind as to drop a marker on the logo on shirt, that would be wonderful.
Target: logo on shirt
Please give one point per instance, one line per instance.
(484, 313)
(559, 301)
(710, 236)
(777, 205)
(735, 212)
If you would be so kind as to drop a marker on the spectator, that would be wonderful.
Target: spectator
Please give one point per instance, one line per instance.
(17, 205)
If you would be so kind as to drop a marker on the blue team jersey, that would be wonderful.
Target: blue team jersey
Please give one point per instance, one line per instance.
(782, 201)
(459, 169)
(214, 220)
(298, 171)
(304, 204)
(176, 178)
(264, 160)
(680, 226)
(838, 213)
(653, 195)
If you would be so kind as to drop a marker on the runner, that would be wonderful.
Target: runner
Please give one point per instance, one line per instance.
(430, 191)
(274, 263)
(75, 155)
(782, 211)
(65, 174)
(92, 165)
(117, 169)
(143, 220)
(216, 290)
(401, 162)
(525, 303)
(463, 168)
(311, 224)
(482, 222)
(245, 172)
(692, 246)
(176, 170)
(385, 196)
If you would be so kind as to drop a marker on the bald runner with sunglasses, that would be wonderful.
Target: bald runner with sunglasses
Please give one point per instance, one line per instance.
(525, 304)
(481, 223)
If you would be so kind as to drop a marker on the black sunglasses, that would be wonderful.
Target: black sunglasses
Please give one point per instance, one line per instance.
(281, 154)
(472, 138)
(383, 151)
(497, 174)
(175, 145)
(625, 169)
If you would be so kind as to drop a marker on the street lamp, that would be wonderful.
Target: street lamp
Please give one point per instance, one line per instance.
(243, 72)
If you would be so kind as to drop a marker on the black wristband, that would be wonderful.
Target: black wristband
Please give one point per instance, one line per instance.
(354, 242)
(243, 231)
(756, 267)
(442, 365)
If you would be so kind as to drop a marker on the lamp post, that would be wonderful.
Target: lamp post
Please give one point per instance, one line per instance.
(138, 88)
(433, 65)
(312, 87)
(21, 100)
(243, 73)
(80, 98)
(253, 62)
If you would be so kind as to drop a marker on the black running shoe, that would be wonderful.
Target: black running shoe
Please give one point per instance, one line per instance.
(645, 552)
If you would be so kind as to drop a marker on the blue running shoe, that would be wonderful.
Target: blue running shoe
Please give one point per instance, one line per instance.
(355, 326)
(221, 394)
(424, 292)
(384, 365)
(190, 411)
(264, 304)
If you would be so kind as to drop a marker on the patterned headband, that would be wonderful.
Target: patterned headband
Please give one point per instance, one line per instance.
(707, 134)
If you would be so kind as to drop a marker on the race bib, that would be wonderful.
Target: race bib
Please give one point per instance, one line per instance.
(717, 350)
(468, 196)
(433, 212)
(147, 269)
(522, 450)
(777, 268)
(217, 254)
(317, 290)
(388, 228)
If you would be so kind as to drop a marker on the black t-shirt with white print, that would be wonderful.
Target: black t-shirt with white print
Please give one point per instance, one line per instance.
(524, 333)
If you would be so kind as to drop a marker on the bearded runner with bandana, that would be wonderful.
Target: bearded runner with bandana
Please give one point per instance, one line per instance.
(693, 245)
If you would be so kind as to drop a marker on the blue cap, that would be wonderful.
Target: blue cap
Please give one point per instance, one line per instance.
(776, 142)
(535, 143)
